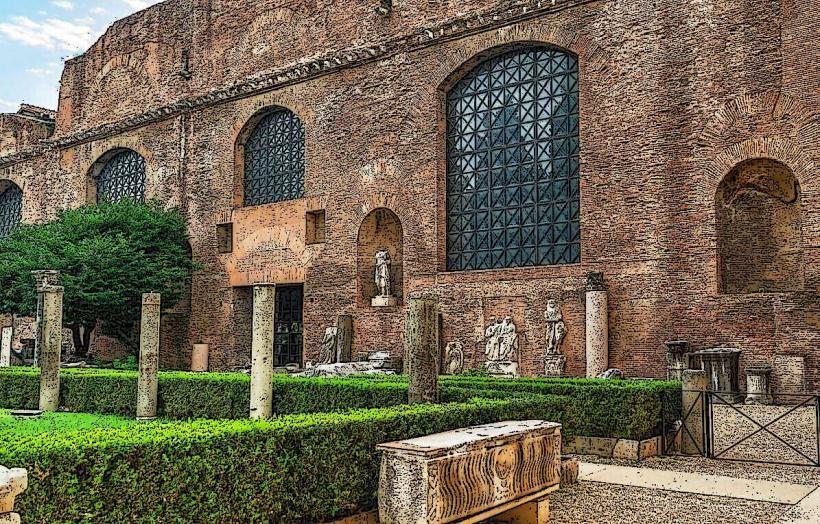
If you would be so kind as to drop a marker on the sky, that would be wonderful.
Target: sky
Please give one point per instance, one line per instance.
(36, 36)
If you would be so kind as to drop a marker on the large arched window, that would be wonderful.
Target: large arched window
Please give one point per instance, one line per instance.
(274, 159)
(11, 207)
(122, 176)
(512, 162)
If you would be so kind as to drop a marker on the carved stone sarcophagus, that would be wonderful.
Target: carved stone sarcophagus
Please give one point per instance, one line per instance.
(468, 473)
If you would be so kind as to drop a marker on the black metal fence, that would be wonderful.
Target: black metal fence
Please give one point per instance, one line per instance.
(720, 425)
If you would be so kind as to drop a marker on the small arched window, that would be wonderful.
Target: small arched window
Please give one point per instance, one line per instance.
(513, 195)
(122, 176)
(11, 207)
(274, 159)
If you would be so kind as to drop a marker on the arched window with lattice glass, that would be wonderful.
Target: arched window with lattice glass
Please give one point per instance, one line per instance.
(274, 159)
(11, 207)
(513, 196)
(122, 177)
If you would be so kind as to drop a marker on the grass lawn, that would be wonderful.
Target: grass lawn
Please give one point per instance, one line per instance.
(22, 427)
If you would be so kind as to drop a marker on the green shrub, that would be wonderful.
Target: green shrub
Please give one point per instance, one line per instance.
(297, 468)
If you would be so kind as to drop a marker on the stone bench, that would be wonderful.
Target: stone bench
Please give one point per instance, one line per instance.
(471, 474)
(12, 483)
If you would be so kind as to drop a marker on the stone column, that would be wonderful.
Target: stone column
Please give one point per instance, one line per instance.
(722, 367)
(42, 278)
(676, 359)
(149, 357)
(597, 325)
(422, 347)
(694, 400)
(5, 346)
(264, 303)
(344, 338)
(758, 384)
(199, 357)
(51, 338)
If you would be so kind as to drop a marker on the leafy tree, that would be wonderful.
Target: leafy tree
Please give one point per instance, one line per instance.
(108, 255)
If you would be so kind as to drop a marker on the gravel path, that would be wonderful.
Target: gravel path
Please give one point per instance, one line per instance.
(589, 502)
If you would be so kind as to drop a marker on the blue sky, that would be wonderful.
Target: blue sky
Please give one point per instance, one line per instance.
(36, 36)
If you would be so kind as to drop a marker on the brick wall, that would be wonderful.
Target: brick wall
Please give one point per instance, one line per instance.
(672, 97)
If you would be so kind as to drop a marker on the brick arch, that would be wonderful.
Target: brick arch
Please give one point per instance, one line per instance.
(102, 153)
(245, 123)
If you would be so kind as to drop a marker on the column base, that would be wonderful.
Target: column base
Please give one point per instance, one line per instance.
(381, 301)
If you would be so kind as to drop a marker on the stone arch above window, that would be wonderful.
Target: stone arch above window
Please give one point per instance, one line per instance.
(513, 180)
(380, 230)
(759, 222)
(119, 174)
(274, 158)
(11, 207)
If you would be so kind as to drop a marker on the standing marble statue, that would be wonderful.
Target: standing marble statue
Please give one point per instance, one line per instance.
(384, 293)
(501, 348)
(554, 361)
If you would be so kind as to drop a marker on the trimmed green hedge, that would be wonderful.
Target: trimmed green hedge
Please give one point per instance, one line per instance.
(603, 408)
(297, 468)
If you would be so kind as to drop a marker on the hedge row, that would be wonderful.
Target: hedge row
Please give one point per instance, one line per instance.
(625, 409)
(297, 468)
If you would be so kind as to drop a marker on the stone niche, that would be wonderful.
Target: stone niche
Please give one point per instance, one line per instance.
(380, 229)
(759, 220)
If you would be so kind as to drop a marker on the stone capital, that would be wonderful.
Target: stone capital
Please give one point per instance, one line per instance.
(45, 277)
(151, 299)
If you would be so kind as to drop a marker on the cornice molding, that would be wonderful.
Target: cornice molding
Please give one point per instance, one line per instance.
(510, 12)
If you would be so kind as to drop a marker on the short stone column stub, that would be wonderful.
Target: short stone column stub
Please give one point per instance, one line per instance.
(5, 346)
(149, 357)
(264, 308)
(51, 337)
(694, 399)
(422, 341)
(597, 325)
(199, 357)
(758, 384)
(344, 338)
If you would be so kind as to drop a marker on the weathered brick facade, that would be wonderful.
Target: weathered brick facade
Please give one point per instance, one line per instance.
(673, 96)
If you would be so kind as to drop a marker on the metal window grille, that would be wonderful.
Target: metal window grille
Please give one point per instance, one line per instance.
(288, 325)
(123, 176)
(513, 196)
(11, 209)
(275, 160)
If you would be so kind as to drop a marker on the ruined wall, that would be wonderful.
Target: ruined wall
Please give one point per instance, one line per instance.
(672, 97)
(18, 132)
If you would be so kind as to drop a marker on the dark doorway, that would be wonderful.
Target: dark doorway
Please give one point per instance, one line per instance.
(288, 341)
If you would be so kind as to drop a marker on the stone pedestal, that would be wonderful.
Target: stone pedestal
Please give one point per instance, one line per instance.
(149, 357)
(758, 384)
(199, 358)
(381, 301)
(51, 338)
(694, 390)
(676, 359)
(12, 483)
(503, 368)
(344, 338)
(264, 303)
(422, 341)
(597, 325)
(722, 367)
(5, 346)
(471, 474)
(554, 365)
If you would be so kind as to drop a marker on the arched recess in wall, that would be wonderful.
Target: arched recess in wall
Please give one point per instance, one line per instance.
(11, 207)
(380, 230)
(513, 159)
(270, 157)
(758, 221)
(117, 175)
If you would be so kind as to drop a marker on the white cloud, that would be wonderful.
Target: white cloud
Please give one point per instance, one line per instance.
(51, 33)
(97, 11)
(138, 4)
(39, 71)
(63, 4)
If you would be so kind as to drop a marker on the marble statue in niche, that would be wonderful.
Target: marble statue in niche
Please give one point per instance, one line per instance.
(385, 296)
(554, 361)
(501, 348)
(454, 353)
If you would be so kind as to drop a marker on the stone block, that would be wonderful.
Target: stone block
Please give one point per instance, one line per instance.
(12, 483)
(384, 301)
(788, 376)
(481, 471)
(569, 471)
